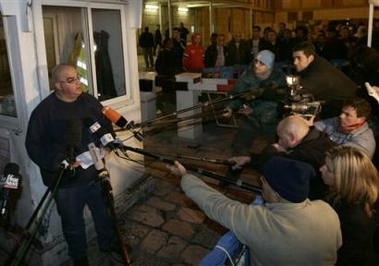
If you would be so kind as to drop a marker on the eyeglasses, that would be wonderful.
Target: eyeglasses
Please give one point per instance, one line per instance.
(72, 80)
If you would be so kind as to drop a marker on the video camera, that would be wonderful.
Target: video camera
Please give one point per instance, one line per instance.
(298, 103)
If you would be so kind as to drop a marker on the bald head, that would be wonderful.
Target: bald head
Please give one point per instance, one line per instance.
(59, 70)
(291, 131)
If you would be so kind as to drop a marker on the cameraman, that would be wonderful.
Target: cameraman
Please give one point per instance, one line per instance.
(321, 79)
(261, 115)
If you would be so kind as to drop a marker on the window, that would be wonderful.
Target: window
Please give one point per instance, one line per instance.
(7, 99)
(90, 39)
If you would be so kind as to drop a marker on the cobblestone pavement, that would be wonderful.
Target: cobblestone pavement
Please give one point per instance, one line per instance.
(166, 227)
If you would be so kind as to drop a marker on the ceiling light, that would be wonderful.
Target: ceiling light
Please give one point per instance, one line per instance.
(151, 7)
(182, 9)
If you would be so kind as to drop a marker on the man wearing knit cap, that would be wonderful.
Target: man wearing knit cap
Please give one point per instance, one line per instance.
(288, 230)
(260, 112)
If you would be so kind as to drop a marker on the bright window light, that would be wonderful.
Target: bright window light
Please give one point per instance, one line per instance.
(151, 7)
(182, 9)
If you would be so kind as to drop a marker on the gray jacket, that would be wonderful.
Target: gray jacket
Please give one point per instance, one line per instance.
(362, 137)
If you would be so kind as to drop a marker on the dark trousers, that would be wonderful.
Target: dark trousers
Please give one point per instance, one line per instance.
(70, 204)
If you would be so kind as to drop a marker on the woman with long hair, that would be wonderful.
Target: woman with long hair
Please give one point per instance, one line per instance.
(354, 194)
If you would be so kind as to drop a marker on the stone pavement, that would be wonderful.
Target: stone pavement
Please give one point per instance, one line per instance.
(166, 227)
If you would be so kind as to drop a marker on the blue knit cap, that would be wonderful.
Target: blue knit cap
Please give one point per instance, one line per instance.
(266, 57)
(289, 178)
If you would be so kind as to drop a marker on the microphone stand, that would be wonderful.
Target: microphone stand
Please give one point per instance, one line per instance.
(202, 159)
(107, 187)
(200, 105)
(23, 243)
(200, 171)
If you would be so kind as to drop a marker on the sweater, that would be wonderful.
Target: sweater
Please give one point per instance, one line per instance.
(46, 138)
(276, 233)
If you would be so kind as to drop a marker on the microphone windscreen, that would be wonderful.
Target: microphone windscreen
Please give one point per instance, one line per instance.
(11, 169)
(73, 132)
(114, 116)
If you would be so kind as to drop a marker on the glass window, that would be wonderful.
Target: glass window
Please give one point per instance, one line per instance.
(7, 100)
(68, 40)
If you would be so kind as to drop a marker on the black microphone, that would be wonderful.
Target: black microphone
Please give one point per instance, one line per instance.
(10, 181)
(73, 138)
(106, 138)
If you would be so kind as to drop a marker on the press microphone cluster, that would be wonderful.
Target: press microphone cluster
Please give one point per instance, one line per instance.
(106, 138)
(120, 121)
(10, 181)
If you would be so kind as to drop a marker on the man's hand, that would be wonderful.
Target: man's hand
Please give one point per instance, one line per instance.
(177, 169)
(228, 112)
(279, 148)
(239, 161)
(309, 121)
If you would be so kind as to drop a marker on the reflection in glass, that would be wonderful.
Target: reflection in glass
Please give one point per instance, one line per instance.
(67, 41)
(7, 101)
(109, 64)
(64, 42)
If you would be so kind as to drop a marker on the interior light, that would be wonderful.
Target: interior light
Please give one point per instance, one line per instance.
(182, 9)
(151, 7)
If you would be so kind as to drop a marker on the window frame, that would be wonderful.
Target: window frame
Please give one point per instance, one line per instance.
(120, 101)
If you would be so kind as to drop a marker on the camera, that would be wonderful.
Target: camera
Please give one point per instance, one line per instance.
(299, 103)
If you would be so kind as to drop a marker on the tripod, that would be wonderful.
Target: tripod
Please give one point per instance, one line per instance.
(107, 187)
(23, 243)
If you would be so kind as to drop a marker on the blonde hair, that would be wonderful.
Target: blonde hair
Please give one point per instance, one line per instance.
(356, 178)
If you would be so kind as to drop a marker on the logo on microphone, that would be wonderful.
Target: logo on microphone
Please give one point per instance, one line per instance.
(10, 181)
(94, 127)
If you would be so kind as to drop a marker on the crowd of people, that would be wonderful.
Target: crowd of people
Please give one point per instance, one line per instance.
(318, 165)
(320, 186)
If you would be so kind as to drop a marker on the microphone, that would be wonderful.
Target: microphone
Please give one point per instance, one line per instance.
(94, 152)
(120, 121)
(73, 137)
(115, 117)
(10, 181)
(98, 162)
(106, 138)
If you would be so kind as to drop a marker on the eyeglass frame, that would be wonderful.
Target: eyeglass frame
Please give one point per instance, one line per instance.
(72, 80)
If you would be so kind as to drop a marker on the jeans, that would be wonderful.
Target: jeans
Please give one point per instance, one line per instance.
(228, 246)
(70, 204)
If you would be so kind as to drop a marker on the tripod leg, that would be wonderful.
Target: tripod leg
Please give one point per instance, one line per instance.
(110, 199)
(23, 242)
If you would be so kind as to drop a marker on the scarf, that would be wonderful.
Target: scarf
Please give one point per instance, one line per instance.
(351, 128)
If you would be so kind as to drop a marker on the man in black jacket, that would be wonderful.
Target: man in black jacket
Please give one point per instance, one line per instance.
(217, 55)
(297, 141)
(146, 41)
(321, 79)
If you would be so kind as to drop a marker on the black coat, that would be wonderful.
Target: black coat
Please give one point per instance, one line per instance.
(211, 56)
(327, 83)
(357, 235)
(311, 150)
